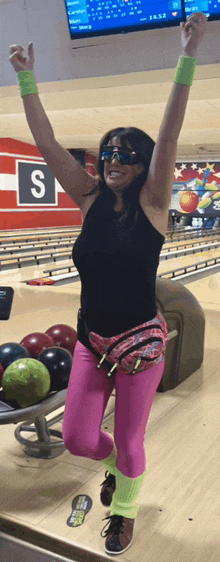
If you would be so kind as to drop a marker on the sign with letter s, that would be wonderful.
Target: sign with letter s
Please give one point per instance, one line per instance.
(36, 184)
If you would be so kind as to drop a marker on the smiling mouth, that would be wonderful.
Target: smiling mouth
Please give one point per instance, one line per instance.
(115, 174)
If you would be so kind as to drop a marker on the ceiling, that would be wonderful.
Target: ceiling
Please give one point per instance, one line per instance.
(82, 110)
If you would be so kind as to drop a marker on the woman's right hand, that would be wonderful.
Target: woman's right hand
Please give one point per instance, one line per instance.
(19, 61)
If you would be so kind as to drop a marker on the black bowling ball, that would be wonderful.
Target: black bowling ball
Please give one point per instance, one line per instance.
(10, 352)
(58, 362)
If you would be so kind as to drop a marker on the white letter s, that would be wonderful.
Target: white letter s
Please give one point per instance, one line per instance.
(39, 183)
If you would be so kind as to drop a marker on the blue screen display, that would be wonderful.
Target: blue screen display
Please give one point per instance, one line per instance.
(210, 8)
(89, 18)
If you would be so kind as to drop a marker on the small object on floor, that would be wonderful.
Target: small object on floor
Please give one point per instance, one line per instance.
(45, 281)
(80, 505)
(108, 488)
(119, 535)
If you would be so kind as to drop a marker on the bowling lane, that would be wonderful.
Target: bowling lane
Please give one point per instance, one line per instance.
(36, 271)
(191, 240)
(175, 263)
(37, 308)
(50, 244)
(6, 249)
(19, 275)
(27, 233)
(26, 256)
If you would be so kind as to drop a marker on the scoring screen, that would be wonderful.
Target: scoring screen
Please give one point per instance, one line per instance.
(100, 17)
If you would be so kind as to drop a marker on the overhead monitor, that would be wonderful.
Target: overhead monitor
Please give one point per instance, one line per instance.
(93, 18)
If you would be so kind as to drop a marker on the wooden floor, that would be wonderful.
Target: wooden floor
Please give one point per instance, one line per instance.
(179, 516)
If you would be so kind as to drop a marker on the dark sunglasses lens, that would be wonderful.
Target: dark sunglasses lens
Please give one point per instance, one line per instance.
(124, 158)
(108, 155)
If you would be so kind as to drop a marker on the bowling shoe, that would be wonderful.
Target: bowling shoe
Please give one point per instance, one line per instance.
(108, 488)
(119, 534)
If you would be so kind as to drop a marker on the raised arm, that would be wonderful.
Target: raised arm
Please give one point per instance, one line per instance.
(157, 191)
(72, 177)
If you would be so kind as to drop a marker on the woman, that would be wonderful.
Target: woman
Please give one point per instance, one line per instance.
(125, 212)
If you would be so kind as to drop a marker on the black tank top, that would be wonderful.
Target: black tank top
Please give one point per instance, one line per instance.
(117, 262)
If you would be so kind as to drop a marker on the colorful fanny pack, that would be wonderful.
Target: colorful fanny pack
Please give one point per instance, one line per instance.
(134, 350)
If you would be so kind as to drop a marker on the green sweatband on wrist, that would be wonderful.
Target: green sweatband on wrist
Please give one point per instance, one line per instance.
(27, 83)
(185, 71)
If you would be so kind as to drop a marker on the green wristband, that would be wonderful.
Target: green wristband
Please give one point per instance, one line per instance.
(185, 71)
(27, 83)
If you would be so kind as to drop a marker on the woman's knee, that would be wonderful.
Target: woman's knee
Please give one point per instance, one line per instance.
(79, 445)
(131, 460)
(130, 449)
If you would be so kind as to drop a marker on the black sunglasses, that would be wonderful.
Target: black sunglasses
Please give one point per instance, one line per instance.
(124, 156)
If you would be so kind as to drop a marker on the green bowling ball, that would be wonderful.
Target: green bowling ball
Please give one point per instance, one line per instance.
(27, 381)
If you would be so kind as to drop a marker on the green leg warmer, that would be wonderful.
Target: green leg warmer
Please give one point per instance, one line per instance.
(127, 490)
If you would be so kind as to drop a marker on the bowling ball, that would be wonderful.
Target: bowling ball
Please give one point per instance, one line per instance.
(189, 201)
(58, 362)
(63, 336)
(1, 374)
(10, 352)
(27, 381)
(37, 342)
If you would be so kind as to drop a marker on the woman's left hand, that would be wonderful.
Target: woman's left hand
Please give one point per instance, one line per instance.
(193, 31)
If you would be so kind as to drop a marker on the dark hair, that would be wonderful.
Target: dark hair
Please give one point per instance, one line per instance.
(143, 145)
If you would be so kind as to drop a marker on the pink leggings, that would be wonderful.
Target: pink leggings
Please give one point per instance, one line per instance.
(88, 392)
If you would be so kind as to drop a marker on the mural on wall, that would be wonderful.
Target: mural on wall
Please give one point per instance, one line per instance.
(196, 189)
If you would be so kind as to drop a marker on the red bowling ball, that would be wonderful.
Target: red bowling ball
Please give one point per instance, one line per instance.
(63, 336)
(37, 342)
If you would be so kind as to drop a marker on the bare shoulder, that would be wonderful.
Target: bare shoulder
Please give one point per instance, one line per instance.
(158, 218)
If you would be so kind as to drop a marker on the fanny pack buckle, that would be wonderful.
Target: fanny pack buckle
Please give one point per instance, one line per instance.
(138, 362)
(113, 369)
(102, 360)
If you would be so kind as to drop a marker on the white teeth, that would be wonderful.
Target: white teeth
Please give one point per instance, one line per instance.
(115, 174)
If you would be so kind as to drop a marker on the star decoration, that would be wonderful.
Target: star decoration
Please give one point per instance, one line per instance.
(177, 173)
(211, 167)
(201, 171)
